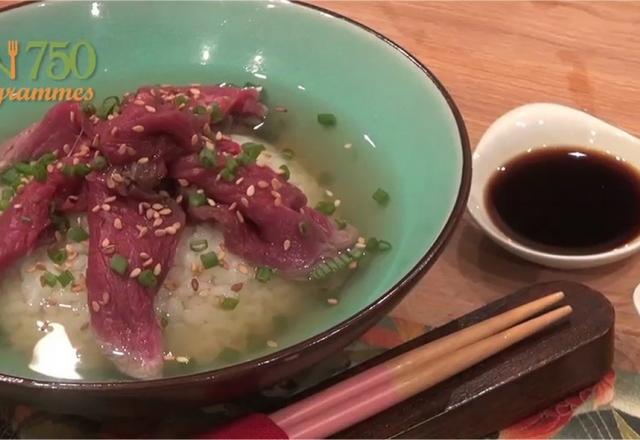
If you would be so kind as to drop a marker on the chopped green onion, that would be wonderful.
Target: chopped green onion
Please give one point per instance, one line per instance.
(263, 274)
(109, 106)
(119, 264)
(303, 227)
(48, 279)
(217, 114)
(88, 108)
(230, 168)
(325, 207)
(40, 172)
(47, 159)
(207, 158)
(58, 256)
(252, 150)
(68, 170)
(65, 278)
(209, 260)
(11, 177)
(60, 222)
(229, 303)
(181, 100)
(342, 224)
(77, 234)
(286, 173)
(197, 199)
(372, 244)
(81, 169)
(98, 163)
(383, 245)
(198, 245)
(8, 193)
(381, 196)
(200, 110)
(287, 154)
(327, 119)
(147, 278)
(24, 168)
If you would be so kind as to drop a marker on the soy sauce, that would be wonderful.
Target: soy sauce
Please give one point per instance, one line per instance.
(566, 200)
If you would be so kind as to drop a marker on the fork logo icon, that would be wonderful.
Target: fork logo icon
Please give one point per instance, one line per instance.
(13, 48)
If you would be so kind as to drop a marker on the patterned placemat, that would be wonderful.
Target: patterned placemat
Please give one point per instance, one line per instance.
(610, 409)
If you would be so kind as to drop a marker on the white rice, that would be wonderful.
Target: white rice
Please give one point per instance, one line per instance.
(51, 325)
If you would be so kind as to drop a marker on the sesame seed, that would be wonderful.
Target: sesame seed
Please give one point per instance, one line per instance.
(110, 199)
(347, 146)
(182, 359)
(277, 202)
(143, 160)
(150, 108)
(179, 198)
(105, 297)
(135, 272)
(157, 270)
(233, 206)
(142, 230)
(105, 242)
(157, 206)
(95, 306)
(50, 168)
(276, 194)
(211, 202)
(137, 128)
(114, 131)
(244, 202)
(206, 129)
(263, 184)
(95, 141)
(171, 230)
(329, 193)
(286, 245)
(144, 255)
(148, 262)
(332, 301)
(240, 217)
(271, 343)
(157, 222)
(117, 223)
(156, 214)
(117, 177)
(122, 149)
(106, 207)
(337, 202)
(139, 102)
(209, 145)
(219, 136)
(18, 205)
(251, 190)
(183, 182)
(150, 213)
(166, 211)
(239, 181)
(66, 148)
(360, 245)
(110, 117)
(72, 117)
(275, 183)
(194, 140)
(195, 92)
(75, 161)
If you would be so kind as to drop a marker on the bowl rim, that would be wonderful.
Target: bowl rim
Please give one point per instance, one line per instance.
(399, 288)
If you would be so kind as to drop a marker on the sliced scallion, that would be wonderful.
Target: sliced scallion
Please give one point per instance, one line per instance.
(209, 260)
(110, 105)
(24, 168)
(229, 303)
(181, 100)
(264, 274)
(200, 110)
(58, 256)
(98, 163)
(65, 278)
(252, 150)
(327, 119)
(287, 154)
(119, 264)
(11, 177)
(77, 234)
(286, 173)
(217, 115)
(383, 245)
(48, 279)
(381, 196)
(342, 224)
(39, 172)
(207, 158)
(198, 245)
(197, 199)
(147, 279)
(326, 207)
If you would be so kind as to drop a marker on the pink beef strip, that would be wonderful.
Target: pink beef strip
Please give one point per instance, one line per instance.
(122, 313)
(23, 224)
(61, 125)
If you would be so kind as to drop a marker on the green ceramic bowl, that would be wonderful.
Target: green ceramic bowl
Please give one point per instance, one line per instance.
(407, 137)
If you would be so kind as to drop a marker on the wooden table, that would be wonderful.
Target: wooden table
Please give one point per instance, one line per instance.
(493, 57)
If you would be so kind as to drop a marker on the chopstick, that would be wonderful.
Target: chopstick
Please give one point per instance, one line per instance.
(364, 381)
(381, 387)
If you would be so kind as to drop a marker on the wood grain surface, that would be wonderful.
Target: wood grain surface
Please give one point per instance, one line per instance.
(493, 56)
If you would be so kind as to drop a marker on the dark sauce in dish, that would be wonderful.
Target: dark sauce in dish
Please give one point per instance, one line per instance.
(566, 200)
